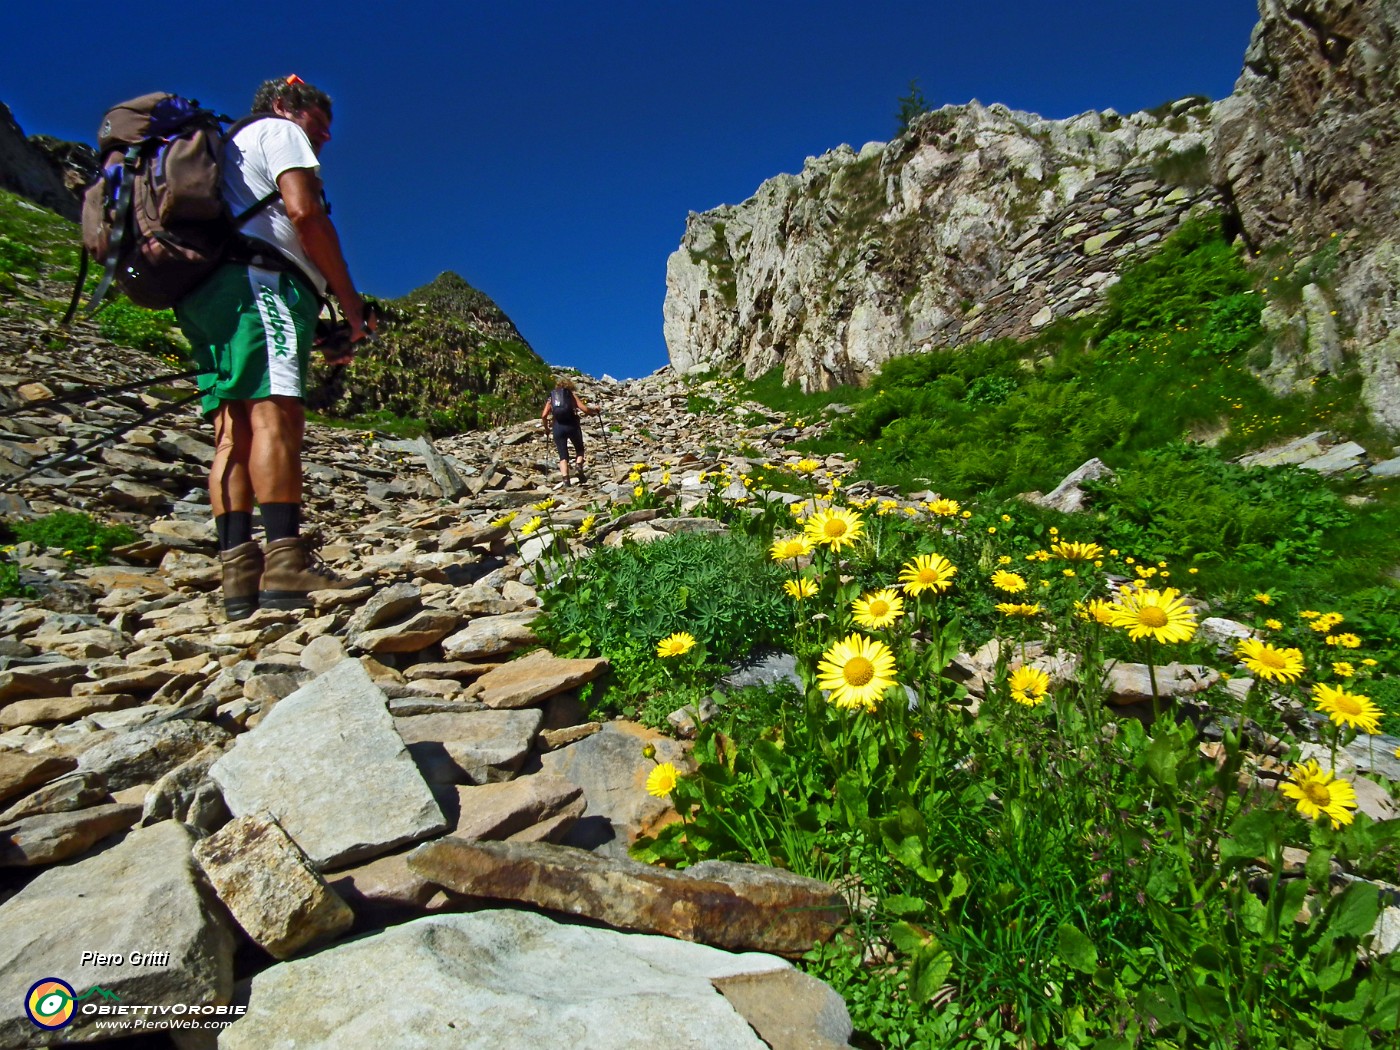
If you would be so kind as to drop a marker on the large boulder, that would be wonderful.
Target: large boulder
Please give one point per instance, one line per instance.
(505, 979)
(327, 764)
(736, 906)
(140, 905)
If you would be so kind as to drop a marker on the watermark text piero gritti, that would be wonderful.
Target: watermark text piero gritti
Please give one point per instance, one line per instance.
(127, 959)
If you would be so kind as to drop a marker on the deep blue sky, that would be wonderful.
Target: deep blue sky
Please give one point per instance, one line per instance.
(549, 152)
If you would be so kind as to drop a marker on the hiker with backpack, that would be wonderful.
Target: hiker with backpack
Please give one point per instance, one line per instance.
(565, 410)
(232, 230)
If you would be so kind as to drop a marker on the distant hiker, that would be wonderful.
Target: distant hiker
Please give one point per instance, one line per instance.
(566, 409)
(251, 326)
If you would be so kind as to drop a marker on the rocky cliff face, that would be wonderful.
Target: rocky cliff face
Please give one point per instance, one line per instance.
(982, 222)
(1308, 157)
(978, 222)
(42, 169)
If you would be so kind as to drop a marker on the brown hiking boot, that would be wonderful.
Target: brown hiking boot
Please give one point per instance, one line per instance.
(243, 568)
(293, 571)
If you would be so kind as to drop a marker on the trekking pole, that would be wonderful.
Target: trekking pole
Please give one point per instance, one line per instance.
(91, 393)
(607, 442)
(101, 439)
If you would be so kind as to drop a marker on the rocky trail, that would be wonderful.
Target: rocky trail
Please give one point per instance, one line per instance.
(185, 802)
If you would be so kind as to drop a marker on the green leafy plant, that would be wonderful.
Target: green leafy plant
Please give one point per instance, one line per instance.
(79, 537)
(151, 331)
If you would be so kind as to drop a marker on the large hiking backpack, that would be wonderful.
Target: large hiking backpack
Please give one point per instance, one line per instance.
(155, 218)
(562, 407)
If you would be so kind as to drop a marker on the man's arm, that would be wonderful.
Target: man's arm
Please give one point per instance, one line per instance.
(301, 193)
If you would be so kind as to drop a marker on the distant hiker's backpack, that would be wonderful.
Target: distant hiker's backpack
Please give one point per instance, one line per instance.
(561, 404)
(155, 218)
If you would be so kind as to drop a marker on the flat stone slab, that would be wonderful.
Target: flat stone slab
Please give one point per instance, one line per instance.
(145, 754)
(473, 747)
(39, 710)
(327, 764)
(140, 900)
(1132, 683)
(533, 679)
(48, 838)
(21, 772)
(269, 887)
(491, 636)
(741, 907)
(612, 770)
(497, 811)
(496, 979)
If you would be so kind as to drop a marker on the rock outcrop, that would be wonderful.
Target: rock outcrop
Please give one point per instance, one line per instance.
(1308, 157)
(978, 222)
(39, 173)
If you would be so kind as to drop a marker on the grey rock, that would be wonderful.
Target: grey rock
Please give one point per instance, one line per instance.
(188, 794)
(51, 837)
(270, 888)
(327, 764)
(612, 770)
(20, 773)
(491, 636)
(141, 896)
(62, 795)
(496, 979)
(145, 754)
(474, 747)
(1069, 496)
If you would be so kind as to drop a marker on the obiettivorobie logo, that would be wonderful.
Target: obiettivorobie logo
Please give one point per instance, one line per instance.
(51, 1002)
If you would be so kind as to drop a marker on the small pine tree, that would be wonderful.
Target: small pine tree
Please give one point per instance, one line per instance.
(911, 106)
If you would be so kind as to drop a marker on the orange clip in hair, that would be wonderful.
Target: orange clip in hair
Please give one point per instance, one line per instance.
(294, 79)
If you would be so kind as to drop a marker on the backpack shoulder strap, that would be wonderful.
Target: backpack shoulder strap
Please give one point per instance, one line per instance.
(237, 126)
(120, 223)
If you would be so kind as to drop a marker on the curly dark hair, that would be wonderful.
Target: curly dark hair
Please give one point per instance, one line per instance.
(294, 94)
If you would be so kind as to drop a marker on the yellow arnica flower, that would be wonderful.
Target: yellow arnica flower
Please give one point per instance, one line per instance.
(1270, 663)
(1160, 615)
(586, 525)
(836, 527)
(1274, 625)
(801, 588)
(1029, 685)
(945, 508)
(1347, 709)
(1264, 598)
(1018, 609)
(1319, 793)
(1324, 623)
(856, 671)
(639, 491)
(1342, 669)
(1346, 641)
(1309, 614)
(1076, 551)
(878, 609)
(1095, 609)
(1009, 582)
(662, 780)
(790, 547)
(505, 519)
(544, 504)
(808, 466)
(531, 526)
(927, 572)
(677, 644)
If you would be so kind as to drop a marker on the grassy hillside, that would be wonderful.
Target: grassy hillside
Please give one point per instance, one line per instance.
(448, 359)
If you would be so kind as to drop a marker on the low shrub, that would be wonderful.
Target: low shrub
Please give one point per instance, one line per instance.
(79, 537)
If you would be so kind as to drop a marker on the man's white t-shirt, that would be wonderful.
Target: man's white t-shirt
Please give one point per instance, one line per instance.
(253, 159)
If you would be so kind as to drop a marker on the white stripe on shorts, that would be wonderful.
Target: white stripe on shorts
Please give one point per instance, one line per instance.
(279, 332)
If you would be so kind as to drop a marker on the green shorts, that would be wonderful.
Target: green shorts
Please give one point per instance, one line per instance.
(251, 330)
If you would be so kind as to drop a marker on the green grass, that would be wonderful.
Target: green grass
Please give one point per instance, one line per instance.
(1164, 365)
